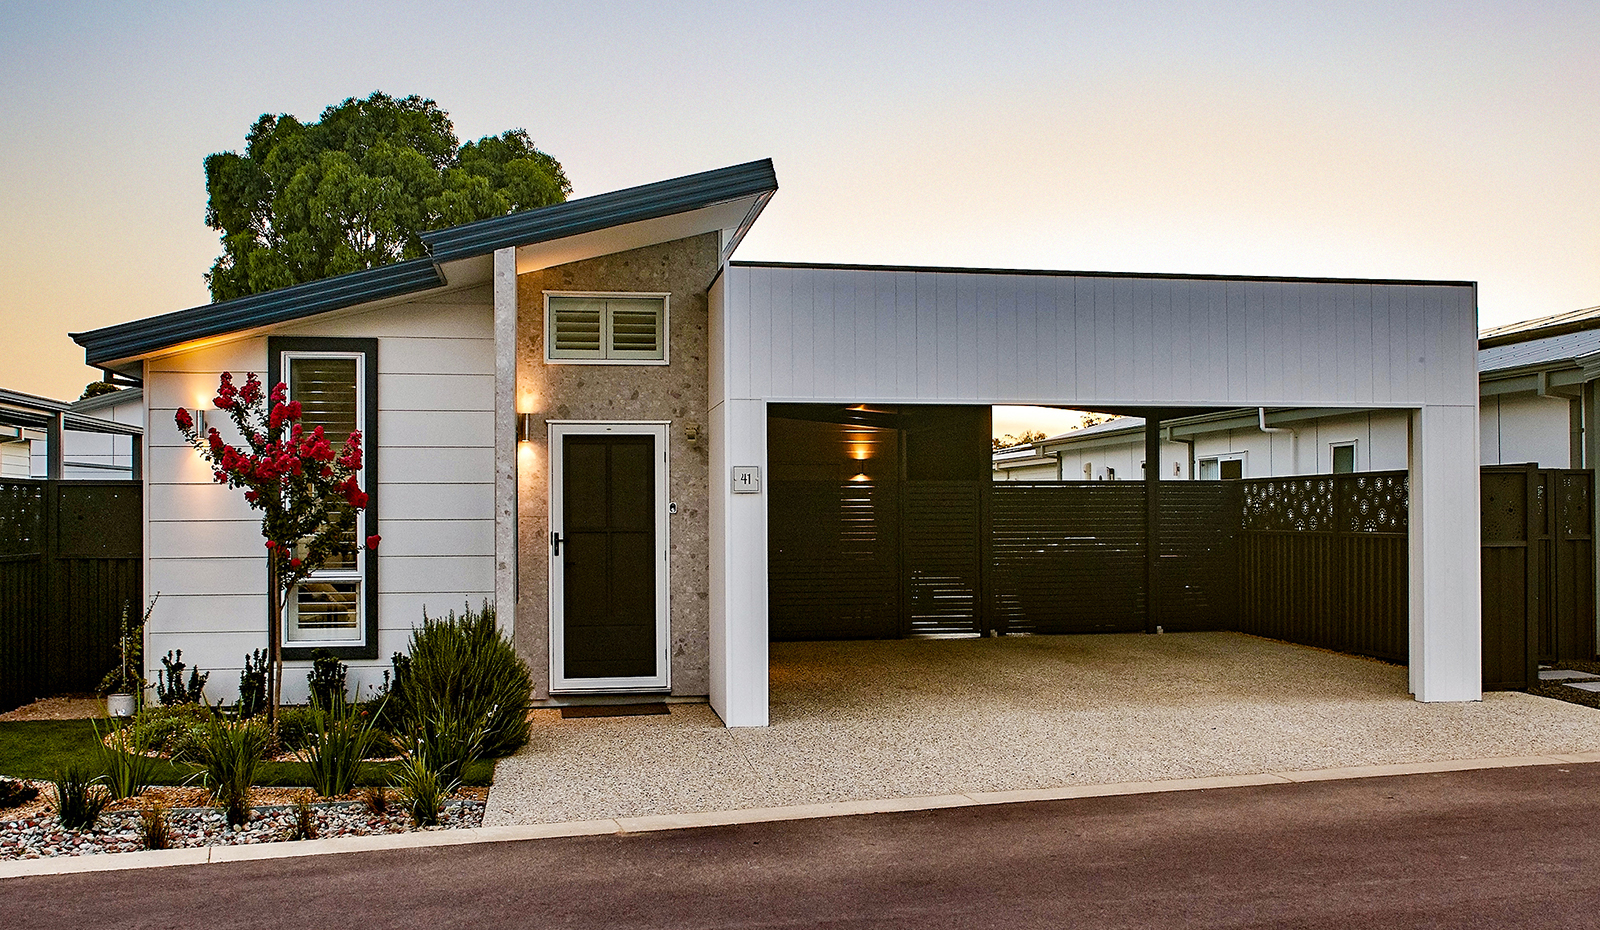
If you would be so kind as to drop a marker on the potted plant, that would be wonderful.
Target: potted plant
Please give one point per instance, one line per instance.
(124, 684)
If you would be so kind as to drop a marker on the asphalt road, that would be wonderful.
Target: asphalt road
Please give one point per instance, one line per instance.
(1484, 849)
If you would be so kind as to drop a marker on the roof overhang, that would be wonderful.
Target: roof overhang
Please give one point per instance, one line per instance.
(725, 201)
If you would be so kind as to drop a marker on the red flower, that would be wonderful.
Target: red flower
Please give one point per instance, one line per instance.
(373, 540)
(185, 422)
(294, 563)
(271, 544)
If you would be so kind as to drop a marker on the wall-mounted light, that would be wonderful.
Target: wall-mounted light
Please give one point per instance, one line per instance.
(525, 427)
(200, 420)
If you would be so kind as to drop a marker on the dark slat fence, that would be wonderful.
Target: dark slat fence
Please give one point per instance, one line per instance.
(1319, 560)
(1323, 562)
(69, 559)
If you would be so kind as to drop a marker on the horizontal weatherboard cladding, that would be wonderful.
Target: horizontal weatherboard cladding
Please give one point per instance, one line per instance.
(127, 340)
(603, 211)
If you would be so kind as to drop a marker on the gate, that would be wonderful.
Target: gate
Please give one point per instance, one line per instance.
(70, 554)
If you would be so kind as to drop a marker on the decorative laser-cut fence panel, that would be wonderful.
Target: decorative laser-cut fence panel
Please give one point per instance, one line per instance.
(1324, 562)
(70, 556)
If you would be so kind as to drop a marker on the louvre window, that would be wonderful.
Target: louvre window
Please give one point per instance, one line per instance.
(607, 328)
(327, 607)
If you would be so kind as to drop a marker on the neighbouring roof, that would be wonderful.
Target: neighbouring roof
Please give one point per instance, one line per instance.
(1523, 330)
(754, 181)
(109, 399)
(31, 410)
(1548, 350)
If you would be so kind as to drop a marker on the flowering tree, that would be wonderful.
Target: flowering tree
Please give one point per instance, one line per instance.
(308, 492)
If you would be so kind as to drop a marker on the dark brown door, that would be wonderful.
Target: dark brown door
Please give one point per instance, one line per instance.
(607, 557)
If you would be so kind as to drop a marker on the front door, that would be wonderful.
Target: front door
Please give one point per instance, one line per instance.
(608, 557)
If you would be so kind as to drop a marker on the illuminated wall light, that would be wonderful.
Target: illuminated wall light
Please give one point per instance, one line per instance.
(526, 426)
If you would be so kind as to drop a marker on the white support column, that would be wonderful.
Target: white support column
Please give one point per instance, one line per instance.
(505, 438)
(738, 566)
(1446, 608)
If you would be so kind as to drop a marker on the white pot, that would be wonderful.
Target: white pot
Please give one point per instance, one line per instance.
(119, 705)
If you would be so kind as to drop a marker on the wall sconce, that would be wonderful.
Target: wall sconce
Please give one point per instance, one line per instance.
(525, 427)
(200, 420)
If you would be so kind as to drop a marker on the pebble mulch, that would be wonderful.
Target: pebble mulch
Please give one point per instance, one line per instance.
(42, 835)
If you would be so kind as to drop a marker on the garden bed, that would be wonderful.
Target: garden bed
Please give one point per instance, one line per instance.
(33, 831)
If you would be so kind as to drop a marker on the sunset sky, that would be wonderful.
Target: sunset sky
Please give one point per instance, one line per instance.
(1396, 140)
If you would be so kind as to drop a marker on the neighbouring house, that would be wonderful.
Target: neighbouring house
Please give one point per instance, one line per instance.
(583, 413)
(98, 437)
(1537, 400)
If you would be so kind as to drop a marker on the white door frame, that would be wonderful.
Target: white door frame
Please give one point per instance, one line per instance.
(558, 431)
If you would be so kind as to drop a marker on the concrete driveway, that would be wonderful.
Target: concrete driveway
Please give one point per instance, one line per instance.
(912, 718)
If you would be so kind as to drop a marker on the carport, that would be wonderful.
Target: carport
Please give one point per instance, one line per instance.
(904, 342)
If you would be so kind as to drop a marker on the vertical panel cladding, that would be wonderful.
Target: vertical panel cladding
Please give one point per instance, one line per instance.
(676, 392)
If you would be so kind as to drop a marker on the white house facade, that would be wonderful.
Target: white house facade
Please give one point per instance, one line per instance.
(568, 409)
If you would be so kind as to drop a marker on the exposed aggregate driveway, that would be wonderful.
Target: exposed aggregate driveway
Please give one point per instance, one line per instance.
(915, 718)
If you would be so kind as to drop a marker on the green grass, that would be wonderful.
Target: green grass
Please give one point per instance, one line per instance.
(41, 748)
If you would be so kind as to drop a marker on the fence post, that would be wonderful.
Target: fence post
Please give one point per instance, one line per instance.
(1152, 520)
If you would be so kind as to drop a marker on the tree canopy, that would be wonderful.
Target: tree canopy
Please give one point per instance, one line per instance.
(306, 201)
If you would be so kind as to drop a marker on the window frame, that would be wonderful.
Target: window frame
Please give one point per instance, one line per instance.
(1333, 457)
(605, 328)
(280, 349)
(1216, 461)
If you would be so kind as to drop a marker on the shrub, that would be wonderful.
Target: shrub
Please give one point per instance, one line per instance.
(231, 753)
(15, 793)
(126, 677)
(173, 731)
(154, 830)
(376, 798)
(326, 678)
(126, 770)
(79, 799)
(339, 742)
(170, 688)
(463, 675)
(422, 789)
(295, 728)
(253, 684)
(305, 820)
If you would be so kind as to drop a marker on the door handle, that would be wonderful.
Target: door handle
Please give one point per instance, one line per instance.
(555, 542)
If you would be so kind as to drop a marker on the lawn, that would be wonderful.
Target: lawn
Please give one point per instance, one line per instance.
(41, 748)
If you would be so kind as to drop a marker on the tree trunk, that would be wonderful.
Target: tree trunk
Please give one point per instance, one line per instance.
(274, 643)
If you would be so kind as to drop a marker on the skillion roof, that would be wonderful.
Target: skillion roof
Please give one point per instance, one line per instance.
(647, 209)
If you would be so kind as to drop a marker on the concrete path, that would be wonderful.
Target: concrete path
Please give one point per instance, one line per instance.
(1440, 850)
(911, 718)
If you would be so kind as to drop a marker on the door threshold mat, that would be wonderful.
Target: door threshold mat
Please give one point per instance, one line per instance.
(613, 710)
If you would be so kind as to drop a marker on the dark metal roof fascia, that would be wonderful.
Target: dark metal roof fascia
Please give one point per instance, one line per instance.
(32, 401)
(603, 211)
(125, 340)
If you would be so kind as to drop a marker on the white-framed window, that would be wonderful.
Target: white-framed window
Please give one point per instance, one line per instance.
(334, 380)
(604, 328)
(1222, 467)
(1342, 455)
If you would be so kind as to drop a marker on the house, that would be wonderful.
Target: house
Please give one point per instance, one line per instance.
(1536, 400)
(581, 413)
(98, 437)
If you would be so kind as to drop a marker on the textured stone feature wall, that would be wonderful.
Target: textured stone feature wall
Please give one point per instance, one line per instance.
(675, 392)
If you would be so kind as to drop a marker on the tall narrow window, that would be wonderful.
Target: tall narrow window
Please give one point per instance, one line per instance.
(606, 328)
(1344, 458)
(333, 380)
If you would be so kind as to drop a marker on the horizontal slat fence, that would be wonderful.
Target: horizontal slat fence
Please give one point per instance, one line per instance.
(70, 554)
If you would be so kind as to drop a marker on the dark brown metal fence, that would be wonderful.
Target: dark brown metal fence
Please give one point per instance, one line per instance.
(1319, 560)
(70, 555)
(1323, 562)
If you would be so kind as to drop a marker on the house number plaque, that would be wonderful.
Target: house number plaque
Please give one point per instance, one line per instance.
(747, 479)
